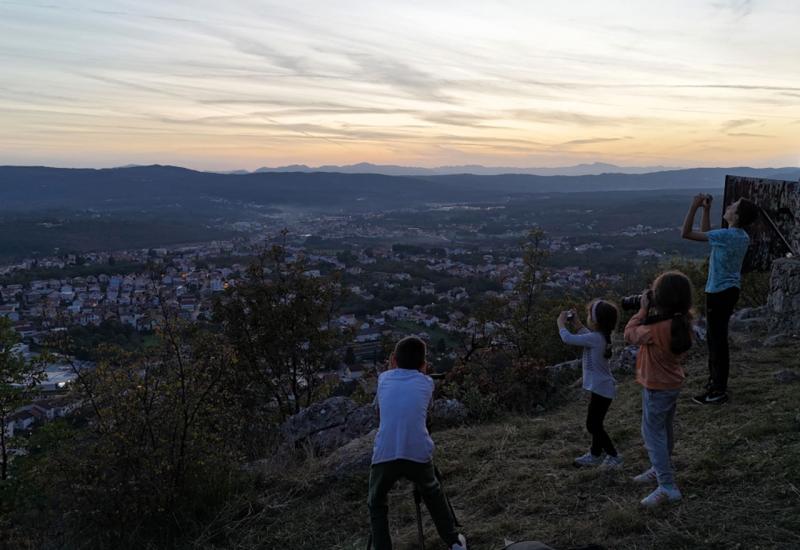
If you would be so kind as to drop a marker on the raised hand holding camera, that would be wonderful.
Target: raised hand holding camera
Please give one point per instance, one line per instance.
(646, 298)
(702, 200)
(568, 319)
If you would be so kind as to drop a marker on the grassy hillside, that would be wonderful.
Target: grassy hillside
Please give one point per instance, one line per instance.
(738, 466)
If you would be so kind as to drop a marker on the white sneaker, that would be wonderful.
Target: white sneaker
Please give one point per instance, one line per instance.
(612, 463)
(589, 460)
(647, 477)
(661, 495)
(461, 544)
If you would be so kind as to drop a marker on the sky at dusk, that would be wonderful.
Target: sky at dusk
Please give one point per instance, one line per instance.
(242, 84)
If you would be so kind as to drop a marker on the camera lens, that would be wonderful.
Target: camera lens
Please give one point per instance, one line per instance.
(632, 302)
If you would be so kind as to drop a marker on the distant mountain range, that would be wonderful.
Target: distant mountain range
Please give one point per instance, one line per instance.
(594, 168)
(31, 188)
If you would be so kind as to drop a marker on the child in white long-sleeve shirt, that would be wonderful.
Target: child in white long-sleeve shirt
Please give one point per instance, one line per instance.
(595, 340)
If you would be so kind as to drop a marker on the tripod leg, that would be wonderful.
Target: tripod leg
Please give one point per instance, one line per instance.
(438, 475)
(417, 500)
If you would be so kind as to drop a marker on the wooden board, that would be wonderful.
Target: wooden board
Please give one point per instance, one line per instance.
(781, 201)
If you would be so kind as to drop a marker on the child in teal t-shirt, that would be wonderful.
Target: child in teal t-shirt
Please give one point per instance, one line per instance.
(728, 249)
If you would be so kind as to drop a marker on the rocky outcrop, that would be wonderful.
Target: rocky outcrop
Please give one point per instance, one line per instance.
(787, 376)
(781, 340)
(330, 424)
(624, 360)
(564, 373)
(354, 457)
(447, 413)
(336, 422)
(783, 304)
(750, 320)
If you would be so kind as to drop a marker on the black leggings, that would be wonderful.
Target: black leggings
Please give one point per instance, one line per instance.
(719, 308)
(598, 407)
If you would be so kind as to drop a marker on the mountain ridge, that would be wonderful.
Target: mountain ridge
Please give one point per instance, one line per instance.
(582, 169)
(32, 188)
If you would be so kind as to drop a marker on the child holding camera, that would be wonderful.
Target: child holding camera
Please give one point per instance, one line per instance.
(403, 447)
(601, 319)
(664, 335)
(728, 248)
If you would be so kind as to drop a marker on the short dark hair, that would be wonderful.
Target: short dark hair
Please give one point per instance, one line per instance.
(410, 353)
(747, 212)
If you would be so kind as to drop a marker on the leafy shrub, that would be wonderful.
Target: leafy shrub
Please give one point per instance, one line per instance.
(493, 383)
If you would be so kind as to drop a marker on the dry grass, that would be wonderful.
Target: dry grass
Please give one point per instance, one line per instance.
(738, 466)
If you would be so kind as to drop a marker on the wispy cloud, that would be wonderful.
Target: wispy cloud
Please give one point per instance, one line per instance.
(749, 135)
(576, 118)
(294, 63)
(399, 75)
(733, 124)
(468, 119)
(739, 8)
(588, 141)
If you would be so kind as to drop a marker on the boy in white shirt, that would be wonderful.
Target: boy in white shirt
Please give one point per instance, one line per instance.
(403, 447)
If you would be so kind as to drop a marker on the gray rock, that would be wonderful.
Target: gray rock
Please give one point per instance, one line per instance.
(528, 545)
(699, 330)
(781, 340)
(353, 458)
(625, 360)
(783, 303)
(329, 424)
(564, 373)
(786, 376)
(750, 313)
(318, 417)
(447, 413)
(749, 324)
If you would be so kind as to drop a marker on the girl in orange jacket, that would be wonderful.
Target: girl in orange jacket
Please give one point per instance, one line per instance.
(664, 335)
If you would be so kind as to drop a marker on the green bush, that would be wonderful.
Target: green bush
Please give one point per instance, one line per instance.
(493, 383)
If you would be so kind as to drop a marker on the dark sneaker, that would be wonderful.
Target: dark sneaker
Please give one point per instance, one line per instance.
(711, 398)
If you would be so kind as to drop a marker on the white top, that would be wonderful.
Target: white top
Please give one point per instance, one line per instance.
(403, 398)
(597, 376)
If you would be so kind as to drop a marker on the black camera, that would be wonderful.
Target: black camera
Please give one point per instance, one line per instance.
(633, 303)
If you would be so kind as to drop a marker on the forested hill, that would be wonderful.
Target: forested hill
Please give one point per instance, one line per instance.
(34, 188)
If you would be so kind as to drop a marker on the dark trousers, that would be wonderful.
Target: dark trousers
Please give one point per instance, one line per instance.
(382, 478)
(719, 308)
(598, 407)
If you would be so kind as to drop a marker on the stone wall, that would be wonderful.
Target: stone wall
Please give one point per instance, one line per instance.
(781, 200)
(783, 305)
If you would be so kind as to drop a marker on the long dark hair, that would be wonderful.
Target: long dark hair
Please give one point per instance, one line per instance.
(672, 297)
(605, 318)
